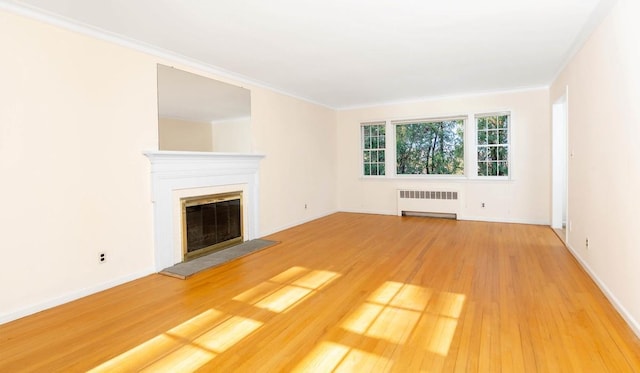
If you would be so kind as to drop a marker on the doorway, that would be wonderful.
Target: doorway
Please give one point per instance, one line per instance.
(559, 146)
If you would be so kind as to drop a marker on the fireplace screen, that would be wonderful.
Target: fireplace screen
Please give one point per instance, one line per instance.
(211, 223)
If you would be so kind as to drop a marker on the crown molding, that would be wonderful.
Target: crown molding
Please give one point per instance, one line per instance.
(118, 39)
(445, 97)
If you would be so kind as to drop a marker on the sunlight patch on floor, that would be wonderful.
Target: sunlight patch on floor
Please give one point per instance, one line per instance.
(395, 316)
(141, 355)
(195, 342)
(334, 357)
(186, 359)
(283, 298)
(442, 330)
(206, 347)
(406, 314)
(283, 291)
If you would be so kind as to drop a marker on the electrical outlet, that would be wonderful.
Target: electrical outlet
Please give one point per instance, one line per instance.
(586, 243)
(102, 257)
(305, 206)
(482, 204)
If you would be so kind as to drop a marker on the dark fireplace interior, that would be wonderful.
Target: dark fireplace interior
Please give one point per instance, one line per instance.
(211, 223)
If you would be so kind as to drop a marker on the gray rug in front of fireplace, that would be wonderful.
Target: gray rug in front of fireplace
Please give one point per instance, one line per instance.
(186, 269)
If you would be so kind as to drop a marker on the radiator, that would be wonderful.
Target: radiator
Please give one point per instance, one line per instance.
(437, 203)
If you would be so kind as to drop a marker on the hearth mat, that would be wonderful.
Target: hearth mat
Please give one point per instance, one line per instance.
(186, 269)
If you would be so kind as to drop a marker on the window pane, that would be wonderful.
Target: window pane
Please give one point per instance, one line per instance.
(381, 156)
(367, 169)
(503, 169)
(374, 143)
(492, 136)
(482, 168)
(381, 142)
(493, 153)
(482, 123)
(492, 169)
(482, 138)
(381, 169)
(503, 121)
(430, 148)
(367, 156)
(492, 122)
(503, 153)
(482, 154)
(502, 137)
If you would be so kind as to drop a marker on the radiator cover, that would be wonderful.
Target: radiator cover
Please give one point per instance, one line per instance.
(425, 202)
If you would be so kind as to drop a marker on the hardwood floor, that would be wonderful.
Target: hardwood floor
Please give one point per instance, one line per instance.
(347, 292)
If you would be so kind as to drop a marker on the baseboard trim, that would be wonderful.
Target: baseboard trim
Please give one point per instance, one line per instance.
(632, 322)
(294, 224)
(370, 212)
(504, 220)
(11, 316)
(460, 217)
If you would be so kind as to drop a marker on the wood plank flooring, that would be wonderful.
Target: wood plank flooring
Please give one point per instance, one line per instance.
(351, 293)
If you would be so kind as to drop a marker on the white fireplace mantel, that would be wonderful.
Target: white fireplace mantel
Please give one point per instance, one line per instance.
(173, 171)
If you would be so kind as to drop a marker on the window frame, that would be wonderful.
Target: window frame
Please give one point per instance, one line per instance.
(475, 172)
(470, 141)
(363, 163)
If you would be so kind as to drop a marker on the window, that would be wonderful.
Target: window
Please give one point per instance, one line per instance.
(430, 147)
(493, 144)
(373, 148)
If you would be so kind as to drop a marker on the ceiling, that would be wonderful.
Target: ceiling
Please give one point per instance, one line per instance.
(350, 53)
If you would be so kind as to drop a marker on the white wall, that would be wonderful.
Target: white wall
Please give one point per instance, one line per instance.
(524, 199)
(76, 115)
(604, 170)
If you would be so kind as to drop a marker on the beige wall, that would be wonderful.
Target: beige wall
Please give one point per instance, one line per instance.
(232, 136)
(178, 134)
(603, 80)
(523, 199)
(76, 115)
(300, 163)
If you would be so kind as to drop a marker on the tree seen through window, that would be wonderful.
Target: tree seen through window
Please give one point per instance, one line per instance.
(430, 147)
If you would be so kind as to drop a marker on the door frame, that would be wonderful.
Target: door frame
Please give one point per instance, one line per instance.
(560, 164)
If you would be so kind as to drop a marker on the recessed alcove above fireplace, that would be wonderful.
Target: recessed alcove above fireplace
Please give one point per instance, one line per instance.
(179, 175)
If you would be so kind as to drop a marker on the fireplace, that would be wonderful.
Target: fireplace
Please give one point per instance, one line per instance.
(178, 175)
(211, 223)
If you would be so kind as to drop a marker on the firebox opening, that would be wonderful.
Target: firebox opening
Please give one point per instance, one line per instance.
(211, 223)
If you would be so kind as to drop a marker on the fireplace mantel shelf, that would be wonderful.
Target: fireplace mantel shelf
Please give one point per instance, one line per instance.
(170, 154)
